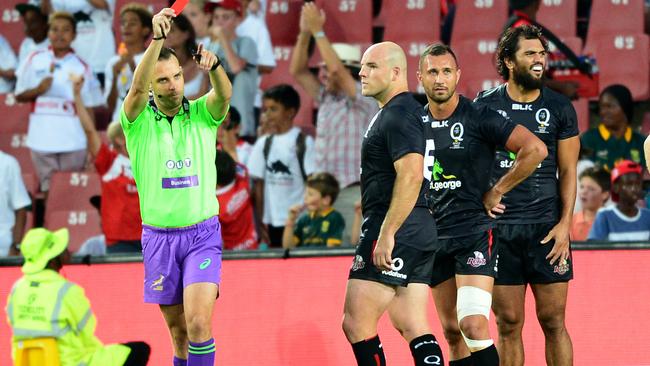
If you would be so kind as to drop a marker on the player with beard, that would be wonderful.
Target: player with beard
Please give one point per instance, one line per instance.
(461, 141)
(533, 232)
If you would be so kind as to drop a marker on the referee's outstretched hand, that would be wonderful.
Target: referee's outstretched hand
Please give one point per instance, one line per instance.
(162, 22)
(204, 58)
(381, 256)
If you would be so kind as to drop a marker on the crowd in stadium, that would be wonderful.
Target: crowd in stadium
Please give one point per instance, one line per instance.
(289, 149)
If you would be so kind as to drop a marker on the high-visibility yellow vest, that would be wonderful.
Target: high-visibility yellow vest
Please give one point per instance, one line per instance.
(44, 304)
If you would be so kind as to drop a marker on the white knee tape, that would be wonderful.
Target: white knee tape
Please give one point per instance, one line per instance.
(477, 345)
(473, 301)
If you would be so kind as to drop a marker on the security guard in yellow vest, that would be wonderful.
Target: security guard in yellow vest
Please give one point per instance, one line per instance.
(44, 304)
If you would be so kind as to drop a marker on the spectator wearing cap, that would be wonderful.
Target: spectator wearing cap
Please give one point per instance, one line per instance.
(8, 63)
(35, 30)
(55, 135)
(238, 55)
(135, 29)
(14, 201)
(623, 221)
(229, 141)
(343, 113)
(43, 303)
(119, 206)
(614, 139)
(95, 41)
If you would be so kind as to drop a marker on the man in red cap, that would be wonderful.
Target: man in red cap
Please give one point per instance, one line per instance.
(625, 221)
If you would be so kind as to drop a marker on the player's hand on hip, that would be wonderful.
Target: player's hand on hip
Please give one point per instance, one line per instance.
(492, 203)
(560, 251)
(204, 58)
(162, 22)
(382, 255)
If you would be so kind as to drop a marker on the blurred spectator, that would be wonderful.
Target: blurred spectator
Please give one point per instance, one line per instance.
(279, 163)
(55, 135)
(321, 224)
(8, 64)
(593, 192)
(228, 138)
(525, 13)
(14, 201)
(119, 206)
(238, 55)
(43, 303)
(624, 221)
(35, 30)
(343, 114)
(95, 42)
(235, 204)
(255, 29)
(257, 8)
(355, 231)
(199, 18)
(135, 29)
(614, 139)
(583, 164)
(182, 39)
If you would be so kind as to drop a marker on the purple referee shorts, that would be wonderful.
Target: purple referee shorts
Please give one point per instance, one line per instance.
(177, 257)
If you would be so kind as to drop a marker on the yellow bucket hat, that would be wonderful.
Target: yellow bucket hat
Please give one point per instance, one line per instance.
(40, 245)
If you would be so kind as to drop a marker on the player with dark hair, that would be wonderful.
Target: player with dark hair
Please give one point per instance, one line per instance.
(171, 143)
(533, 232)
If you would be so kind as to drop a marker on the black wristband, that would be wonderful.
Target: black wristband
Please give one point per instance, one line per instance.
(214, 67)
(159, 38)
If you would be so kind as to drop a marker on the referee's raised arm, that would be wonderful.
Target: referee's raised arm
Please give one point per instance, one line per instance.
(138, 94)
(219, 96)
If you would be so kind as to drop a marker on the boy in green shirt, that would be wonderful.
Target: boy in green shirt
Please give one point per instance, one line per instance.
(321, 225)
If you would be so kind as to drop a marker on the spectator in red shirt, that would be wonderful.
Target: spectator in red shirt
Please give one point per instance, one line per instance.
(120, 207)
(235, 205)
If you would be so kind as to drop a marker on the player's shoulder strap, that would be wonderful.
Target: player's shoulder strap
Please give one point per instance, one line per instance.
(301, 147)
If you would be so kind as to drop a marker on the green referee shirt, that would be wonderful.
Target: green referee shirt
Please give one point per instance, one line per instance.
(319, 230)
(173, 164)
(605, 150)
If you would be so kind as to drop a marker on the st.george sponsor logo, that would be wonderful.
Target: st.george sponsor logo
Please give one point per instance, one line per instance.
(507, 163)
(395, 267)
(449, 182)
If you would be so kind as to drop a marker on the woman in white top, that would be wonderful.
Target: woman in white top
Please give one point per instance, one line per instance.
(182, 40)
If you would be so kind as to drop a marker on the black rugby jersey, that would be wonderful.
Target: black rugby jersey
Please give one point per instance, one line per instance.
(550, 117)
(396, 130)
(459, 159)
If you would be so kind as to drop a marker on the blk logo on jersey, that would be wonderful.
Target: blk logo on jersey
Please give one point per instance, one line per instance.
(439, 124)
(522, 107)
(477, 260)
(440, 180)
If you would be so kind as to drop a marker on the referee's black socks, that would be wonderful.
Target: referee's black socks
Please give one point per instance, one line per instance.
(426, 351)
(369, 352)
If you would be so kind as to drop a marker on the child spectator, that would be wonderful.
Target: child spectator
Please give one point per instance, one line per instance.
(321, 225)
(279, 163)
(624, 221)
(593, 192)
(14, 201)
(35, 30)
(235, 204)
(120, 206)
(8, 64)
(229, 141)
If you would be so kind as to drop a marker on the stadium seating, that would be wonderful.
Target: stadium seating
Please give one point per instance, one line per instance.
(413, 48)
(623, 59)
(11, 25)
(559, 16)
(477, 64)
(479, 18)
(280, 75)
(72, 191)
(82, 224)
(348, 21)
(282, 17)
(14, 144)
(15, 116)
(422, 16)
(582, 111)
(610, 17)
(31, 183)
